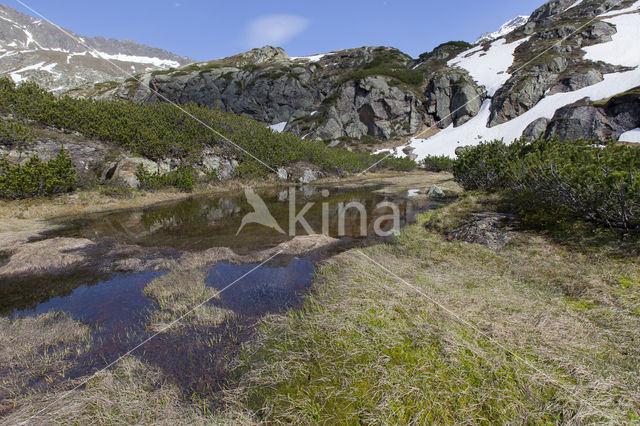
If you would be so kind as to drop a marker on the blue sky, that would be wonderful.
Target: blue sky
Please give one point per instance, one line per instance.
(212, 29)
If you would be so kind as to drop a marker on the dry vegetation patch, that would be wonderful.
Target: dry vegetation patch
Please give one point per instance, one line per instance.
(37, 350)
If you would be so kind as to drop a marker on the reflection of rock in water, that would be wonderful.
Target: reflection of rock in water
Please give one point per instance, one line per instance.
(207, 221)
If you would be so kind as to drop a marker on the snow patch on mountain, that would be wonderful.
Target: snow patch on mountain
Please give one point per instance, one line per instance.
(27, 45)
(486, 68)
(475, 130)
(278, 128)
(313, 58)
(505, 29)
(489, 68)
(575, 4)
(633, 8)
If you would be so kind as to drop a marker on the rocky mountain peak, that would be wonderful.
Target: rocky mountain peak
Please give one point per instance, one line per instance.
(505, 29)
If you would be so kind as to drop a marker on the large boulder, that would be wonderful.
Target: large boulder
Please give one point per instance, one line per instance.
(600, 121)
(126, 169)
(492, 230)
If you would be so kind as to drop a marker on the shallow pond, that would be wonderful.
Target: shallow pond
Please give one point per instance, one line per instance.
(117, 309)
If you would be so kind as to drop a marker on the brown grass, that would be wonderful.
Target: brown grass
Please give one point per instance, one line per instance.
(178, 292)
(130, 393)
(35, 350)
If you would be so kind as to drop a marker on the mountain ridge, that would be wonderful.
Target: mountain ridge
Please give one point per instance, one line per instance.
(458, 93)
(32, 49)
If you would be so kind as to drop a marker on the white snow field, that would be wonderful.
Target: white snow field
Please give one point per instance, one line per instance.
(630, 136)
(624, 49)
(488, 68)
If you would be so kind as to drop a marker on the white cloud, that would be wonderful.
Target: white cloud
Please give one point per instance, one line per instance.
(274, 30)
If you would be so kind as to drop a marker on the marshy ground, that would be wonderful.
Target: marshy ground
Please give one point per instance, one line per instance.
(545, 329)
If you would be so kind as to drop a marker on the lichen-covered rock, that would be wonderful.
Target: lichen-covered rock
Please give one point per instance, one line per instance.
(536, 129)
(492, 230)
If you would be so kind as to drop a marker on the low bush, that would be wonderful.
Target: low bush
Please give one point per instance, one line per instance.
(438, 163)
(597, 183)
(116, 188)
(183, 178)
(36, 178)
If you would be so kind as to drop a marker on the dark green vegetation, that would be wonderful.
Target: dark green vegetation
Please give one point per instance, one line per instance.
(438, 163)
(14, 133)
(597, 183)
(36, 178)
(183, 178)
(161, 130)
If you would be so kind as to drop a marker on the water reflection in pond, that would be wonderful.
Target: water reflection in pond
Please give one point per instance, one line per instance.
(203, 222)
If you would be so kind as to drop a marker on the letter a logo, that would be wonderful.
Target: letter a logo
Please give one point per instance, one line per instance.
(261, 214)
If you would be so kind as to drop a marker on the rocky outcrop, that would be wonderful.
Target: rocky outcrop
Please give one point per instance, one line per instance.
(86, 154)
(551, 61)
(453, 97)
(374, 107)
(325, 99)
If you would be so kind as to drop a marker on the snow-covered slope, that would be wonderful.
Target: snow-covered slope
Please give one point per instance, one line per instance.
(505, 29)
(489, 69)
(33, 49)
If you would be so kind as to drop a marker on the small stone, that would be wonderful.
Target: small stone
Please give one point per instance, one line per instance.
(435, 191)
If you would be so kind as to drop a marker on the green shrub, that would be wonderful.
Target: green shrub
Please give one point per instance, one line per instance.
(483, 166)
(14, 133)
(183, 178)
(438, 163)
(597, 183)
(36, 178)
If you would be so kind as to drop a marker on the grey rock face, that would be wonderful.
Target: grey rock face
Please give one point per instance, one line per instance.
(453, 97)
(126, 170)
(523, 92)
(86, 154)
(372, 107)
(550, 9)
